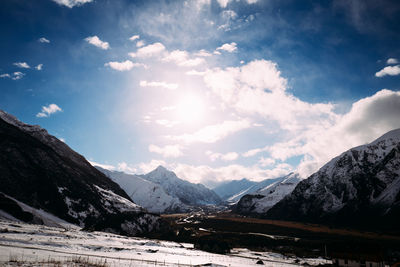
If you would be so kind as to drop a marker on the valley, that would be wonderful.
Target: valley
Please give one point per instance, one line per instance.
(24, 244)
(284, 237)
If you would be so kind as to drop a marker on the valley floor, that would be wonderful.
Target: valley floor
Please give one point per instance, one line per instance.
(35, 245)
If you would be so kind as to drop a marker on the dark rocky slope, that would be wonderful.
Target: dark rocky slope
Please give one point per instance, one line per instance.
(43, 172)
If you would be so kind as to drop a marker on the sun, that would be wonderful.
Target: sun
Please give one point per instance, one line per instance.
(190, 109)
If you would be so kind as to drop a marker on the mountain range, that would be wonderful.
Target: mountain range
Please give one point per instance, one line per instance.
(359, 188)
(43, 173)
(147, 194)
(44, 181)
(233, 191)
(263, 199)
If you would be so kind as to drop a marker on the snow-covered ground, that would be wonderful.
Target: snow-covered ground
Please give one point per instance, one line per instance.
(37, 245)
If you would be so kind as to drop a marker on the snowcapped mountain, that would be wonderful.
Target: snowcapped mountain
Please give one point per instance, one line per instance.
(233, 191)
(41, 171)
(147, 194)
(359, 188)
(231, 188)
(263, 199)
(188, 193)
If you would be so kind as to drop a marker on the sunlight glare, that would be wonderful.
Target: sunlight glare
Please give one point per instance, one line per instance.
(190, 109)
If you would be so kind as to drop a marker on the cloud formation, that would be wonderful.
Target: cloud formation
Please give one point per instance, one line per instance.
(230, 156)
(94, 40)
(17, 75)
(47, 111)
(72, 3)
(389, 70)
(134, 37)
(149, 50)
(22, 65)
(43, 40)
(232, 47)
(159, 84)
(392, 61)
(169, 151)
(213, 133)
(258, 88)
(123, 66)
(181, 58)
(39, 67)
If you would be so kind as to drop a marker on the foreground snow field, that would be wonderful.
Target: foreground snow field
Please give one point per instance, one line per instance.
(37, 245)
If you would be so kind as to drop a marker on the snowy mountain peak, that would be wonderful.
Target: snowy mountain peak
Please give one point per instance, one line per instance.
(360, 187)
(264, 198)
(161, 168)
(393, 135)
(187, 192)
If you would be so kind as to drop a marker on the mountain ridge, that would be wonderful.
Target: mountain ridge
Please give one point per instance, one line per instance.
(358, 188)
(41, 171)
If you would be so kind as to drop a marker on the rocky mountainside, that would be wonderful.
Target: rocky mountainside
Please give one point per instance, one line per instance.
(147, 194)
(41, 171)
(188, 193)
(263, 199)
(359, 188)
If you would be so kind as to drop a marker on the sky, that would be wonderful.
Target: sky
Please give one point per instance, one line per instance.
(214, 90)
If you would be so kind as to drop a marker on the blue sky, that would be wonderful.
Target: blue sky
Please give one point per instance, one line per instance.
(212, 89)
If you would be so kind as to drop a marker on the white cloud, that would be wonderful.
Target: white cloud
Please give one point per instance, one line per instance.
(123, 66)
(195, 73)
(150, 166)
(232, 47)
(72, 3)
(223, 3)
(5, 75)
(39, 67)
(94, 40)
(169, 151)
(171, 86)
(203, 53)
(149, 50)
(104, 166)
(181, 58)
(47, 111)
(230, 156)
(213, 133)
(252, 1)
(140, 43)
(368, 119)
(134, 37)
(257, 88)
(389, 70)
(124, 167)
(266, 162)
(229, 14)
(43, 40)
(392, 61)
(22, 65)
(17, 75)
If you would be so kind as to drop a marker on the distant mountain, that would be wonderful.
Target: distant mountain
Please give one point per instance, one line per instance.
(188, 193)
(149, 195)
(41, 171)
(231, 188)
(359, 188)
(235, 190)
(263, 199)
